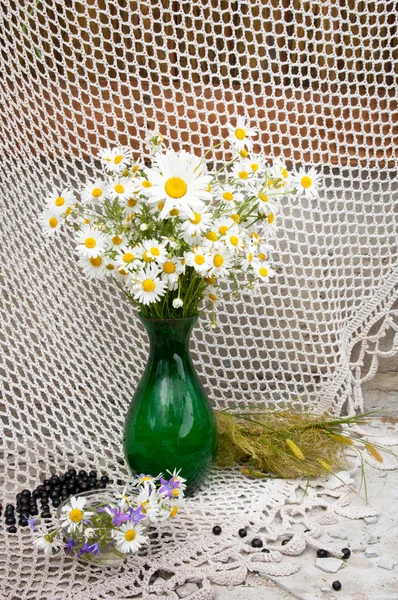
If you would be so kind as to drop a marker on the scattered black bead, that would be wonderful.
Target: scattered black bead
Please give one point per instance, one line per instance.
(257, 543)
(102, 485)
(242, 533)
(47, 488)
(93, 483)
(68, 476)
(23, 522)
(54, 480)
(25, 494)
(322, 553)
(346, 552)
(25, 510)
(62, 479)
(56, 502)
(46, 515)
(9, 511)
(10, 507)
(265, 550)
(72, 472)
(34, 511)
(84, 486)
(105, 479)
(46, 482)
(77, 489)
(45, 506)
(24, 501)
(44, 498)
(93, 474)
(216, 530)
(64, 496)
(54, 494)
(82, 473)
(12, 529)
(18, 496)
(284, 542)
(336, 585)
(10, 520)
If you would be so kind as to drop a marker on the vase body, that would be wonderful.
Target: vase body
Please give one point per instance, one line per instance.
(170, 423)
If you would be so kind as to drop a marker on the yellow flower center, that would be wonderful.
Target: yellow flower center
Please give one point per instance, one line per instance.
(210, 280)
(118, 159)
(90, 242)
(59, 201)
(271, 218)
(212, 297)
(148, 285)
(119, 188)
(160, 205)
(250, 256)
(146, 257)
(146, 184)
(116, 240)
(68, 210)
(110, 267)
(53, 222)
(96, 262)
(306, 181)
(263, 272)
(175, 492)
(234, 240)
(155, 251)
(173, 512)
(218, 260)
(130, 535)
(223, 229)
(261, 256)
(197, 218)
(123, 272)
(227, 196)
(175, 187)
(212, 236)
(169, 268)
(135, 168)
(244, 153)
(243, 174)
(97, 192)
(48, 538)
(208, 189)
(254, 167)
(235, 218)
(270, 183)
(240, 133)
(255, 236)
(263, 197)
(131, 202)
(199, 259)
(128, 257)
(284, 172)
(76, 515)
(174, 212)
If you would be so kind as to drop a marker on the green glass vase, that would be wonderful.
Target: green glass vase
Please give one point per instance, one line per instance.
(170, 423)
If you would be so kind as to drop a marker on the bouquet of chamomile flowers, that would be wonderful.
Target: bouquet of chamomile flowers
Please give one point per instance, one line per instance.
(100, 523)
(174, 232)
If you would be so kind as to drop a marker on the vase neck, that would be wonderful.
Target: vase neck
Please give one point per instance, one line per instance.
(165, 335)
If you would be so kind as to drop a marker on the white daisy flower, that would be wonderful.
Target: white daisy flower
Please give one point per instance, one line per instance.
(262, 251)
(234, 240)
(229, 196)
(266, 204)
(222, 225)
(144, 186)
(94, 192)
(255, 164)
(171, 270)
(242, 172)
(240, 135)
(118, 242)
(116, 159)
(148, 287)
(126, 258)
(133, 205)
(123, 275)
(50, 222)
(221, 260)
(60, 202)
(255, 238)
(249, 256)
(152, 251)
(200, 222)
(91, 242)
(199, 258)
(94, 268)
(122, 189)
(169, 508)
(178, 303)
(263, 271)
(179, 183)
(73, 516)
(269, 224)
(279, 170)
(307, 182)
(47, 542)
(124, 499)
(212, 294)
(129, 537)
(149, 503)
(146, 481)
(211, 239)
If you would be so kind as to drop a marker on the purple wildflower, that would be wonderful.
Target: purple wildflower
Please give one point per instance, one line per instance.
(89, 549)
(69, 545)
(101, 509)
(169, 487)
(32, 523)
(119, 516)
(136, 515)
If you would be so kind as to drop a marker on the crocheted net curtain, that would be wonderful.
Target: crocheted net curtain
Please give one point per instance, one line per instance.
(319, 80)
